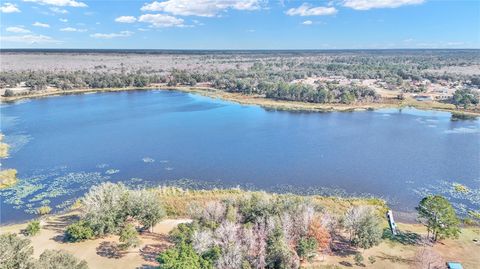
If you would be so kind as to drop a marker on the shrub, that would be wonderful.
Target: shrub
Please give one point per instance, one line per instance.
(183, 233)
(58, 259)
(129, 237)
(364, 227)
(44, 210)
(372, 259)
(358, 259)
(182, 257)
(15, 252)
(33, 228)
(306, 248)
(8, 93)
(78, 231)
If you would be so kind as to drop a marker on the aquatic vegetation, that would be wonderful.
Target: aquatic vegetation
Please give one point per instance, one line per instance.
(3, 148)
(148, 160)
(43, 210)
(112, 171)
(17, 141)
(460, 188)
(101, 165)
(8, 178)
(462, 197)
(38, 190)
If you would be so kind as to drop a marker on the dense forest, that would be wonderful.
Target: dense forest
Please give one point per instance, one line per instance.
(276, 76)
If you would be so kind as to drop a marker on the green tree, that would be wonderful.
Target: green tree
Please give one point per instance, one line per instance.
(307, 248)
(15, 252)
(129, 237)
(363, 226)
(369, 232)
(438, 215)
(182, 257)
(146, 208)
(55, 259)
(105, 207)
(79, 231)
(33, 228)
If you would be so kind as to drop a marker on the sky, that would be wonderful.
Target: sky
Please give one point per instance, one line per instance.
(240, 24)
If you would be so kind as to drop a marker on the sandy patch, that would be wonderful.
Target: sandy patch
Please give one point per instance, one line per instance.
(101, 252)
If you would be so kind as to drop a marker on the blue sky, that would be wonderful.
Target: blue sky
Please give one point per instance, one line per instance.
(240, 24)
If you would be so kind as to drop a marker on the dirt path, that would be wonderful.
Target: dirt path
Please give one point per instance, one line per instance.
(101, 252)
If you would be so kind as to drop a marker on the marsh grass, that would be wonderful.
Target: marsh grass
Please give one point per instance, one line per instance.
(179, 201)
(8, 178)
(3, 148)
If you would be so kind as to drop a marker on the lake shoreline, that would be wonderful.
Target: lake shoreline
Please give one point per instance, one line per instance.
(256, 100)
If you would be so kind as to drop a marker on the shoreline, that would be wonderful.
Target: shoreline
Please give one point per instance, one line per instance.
(257, 100)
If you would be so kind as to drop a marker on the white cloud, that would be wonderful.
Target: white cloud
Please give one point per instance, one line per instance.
(59, 3)
(59, 10)
(9, 8)
(307, 22)
(63, 20)
(369, 4)
(30, 39)
(202, 8)
(126, 19)
(161, 20)
(112, 35)
(17, 29)
(71, 29)
(39, 24)
(307, 10)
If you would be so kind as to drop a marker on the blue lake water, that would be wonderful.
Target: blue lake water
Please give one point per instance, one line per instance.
(63, 145)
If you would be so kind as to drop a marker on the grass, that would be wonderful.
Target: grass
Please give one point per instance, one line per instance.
(3, 148)
(8, 178)
(178, 201)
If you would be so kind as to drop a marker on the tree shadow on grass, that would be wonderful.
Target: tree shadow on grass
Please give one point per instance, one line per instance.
(59, 224)
(150, 252)
(110, 250)
(341, 246)
(402, 237)
(394, 259)
(147, 266)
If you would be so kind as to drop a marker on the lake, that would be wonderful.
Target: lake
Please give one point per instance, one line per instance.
(63, 145)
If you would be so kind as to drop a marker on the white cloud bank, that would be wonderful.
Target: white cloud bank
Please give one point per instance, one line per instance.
(307, 22)
(307, 10)
(17, 29)
(29, 39)
(59, 3)
(161, 20)
(112, 35)
(71, 29)
(9, 8)
(126, 19)
(201, 8)
(39, 24)
(369, 4)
